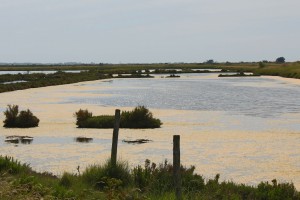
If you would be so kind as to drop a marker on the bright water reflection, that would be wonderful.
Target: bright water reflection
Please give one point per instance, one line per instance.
(253, 96)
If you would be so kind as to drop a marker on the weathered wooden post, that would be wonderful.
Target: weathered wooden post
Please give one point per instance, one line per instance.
(176, 166)
(114, 147)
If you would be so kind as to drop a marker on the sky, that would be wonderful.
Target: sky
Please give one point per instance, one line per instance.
(148, 31)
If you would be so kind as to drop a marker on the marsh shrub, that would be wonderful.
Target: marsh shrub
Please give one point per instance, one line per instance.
(27, 119)
(103, 121)
(66, 180)
(11, 114)
(81, 116)
(94, 175)
(159, 178)
(24, 119)
(139, 117)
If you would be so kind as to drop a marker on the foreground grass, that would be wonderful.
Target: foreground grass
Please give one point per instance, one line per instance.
(19, 181)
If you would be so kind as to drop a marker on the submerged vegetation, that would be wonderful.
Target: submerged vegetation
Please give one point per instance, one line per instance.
(151, 181)
(24, 119)
(139, 117)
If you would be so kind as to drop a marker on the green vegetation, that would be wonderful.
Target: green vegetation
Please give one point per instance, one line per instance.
(43, 80)
(139, 117)
(103, 71)
(152, 181)
(24, 119)
(287, 71)
(81, 116)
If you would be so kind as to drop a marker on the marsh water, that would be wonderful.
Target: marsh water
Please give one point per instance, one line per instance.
(245, 128)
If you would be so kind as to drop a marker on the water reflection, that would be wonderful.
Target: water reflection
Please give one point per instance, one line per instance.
(11, 82)
(18, 139)
(83, 139)
(137, 141)
(252, 96)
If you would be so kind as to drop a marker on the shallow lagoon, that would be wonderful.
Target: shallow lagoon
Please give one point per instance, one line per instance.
(247, 129)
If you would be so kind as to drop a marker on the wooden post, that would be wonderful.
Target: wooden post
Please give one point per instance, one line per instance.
(114, 147)
(176, 166)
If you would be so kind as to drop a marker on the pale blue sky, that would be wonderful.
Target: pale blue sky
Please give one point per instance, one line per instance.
(146, 31)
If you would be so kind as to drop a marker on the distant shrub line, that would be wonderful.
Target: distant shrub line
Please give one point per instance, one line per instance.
(43, 80)
(139, 117)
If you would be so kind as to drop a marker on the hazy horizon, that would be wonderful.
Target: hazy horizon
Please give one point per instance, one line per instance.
(156, 31)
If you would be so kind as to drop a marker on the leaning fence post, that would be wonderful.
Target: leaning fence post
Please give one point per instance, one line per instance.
(176, 166)
(114, 147)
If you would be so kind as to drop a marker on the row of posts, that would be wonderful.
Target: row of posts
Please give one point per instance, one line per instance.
(176, 154)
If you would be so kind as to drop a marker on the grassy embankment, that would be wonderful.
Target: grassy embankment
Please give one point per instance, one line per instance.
(96, 72)
(19, 181)
(287, 70)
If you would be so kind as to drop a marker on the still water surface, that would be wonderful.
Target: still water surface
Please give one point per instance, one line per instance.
(246, 129)
(251, 96)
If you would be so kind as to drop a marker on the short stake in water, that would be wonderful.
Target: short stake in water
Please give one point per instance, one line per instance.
(176, 166)
(114, 147)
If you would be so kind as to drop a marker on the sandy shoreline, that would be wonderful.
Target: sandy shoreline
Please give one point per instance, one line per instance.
(287, 80)
(206, 139)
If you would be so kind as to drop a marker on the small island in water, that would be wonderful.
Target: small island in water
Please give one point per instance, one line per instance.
(24, 119)
(140, 117)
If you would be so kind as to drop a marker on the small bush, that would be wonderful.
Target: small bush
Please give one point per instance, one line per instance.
(96, 174)
(81, 116)
(139, 117)
(66, 180)
(158, 179)
(27, 119)
(24, 119)
(11, 114)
